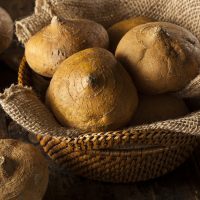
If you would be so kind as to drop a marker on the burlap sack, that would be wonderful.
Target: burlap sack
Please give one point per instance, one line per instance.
(107, 12)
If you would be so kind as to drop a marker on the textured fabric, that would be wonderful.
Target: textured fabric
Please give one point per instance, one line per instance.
(107, 12)
(133, 154)
(192, 90)
(23, 105)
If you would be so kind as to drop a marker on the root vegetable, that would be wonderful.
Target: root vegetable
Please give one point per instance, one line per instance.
(6, 30)
(92, 91)
(118, 30)
(161, 57)
(49, 47)
(23, 171)
(158, 108)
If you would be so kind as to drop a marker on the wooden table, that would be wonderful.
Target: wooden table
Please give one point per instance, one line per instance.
(181, 184)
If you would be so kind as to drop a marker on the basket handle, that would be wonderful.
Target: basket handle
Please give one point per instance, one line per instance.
(22, 73)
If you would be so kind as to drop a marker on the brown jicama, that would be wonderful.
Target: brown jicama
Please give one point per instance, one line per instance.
(158, 108)
(23, 171)
(118, 30)
(59, 40)
(161, 57)
(92, 91)
(6, 30)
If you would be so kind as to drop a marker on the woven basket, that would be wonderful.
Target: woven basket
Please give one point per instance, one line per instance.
(127, 155)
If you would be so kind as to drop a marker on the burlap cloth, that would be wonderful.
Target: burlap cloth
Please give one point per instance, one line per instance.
(107, 12)
(23, 105)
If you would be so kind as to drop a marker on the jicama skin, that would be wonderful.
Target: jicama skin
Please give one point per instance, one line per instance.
(23, 171)
(158, 108)
(161, 57)
(6, 30)
(92, 91)
(49, 47)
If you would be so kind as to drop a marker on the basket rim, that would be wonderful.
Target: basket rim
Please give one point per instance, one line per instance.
(159, 136)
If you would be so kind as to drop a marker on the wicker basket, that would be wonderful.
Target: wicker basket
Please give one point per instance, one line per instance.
(118, 156)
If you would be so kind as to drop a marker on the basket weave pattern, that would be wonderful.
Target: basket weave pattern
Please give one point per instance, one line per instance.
(133, 154)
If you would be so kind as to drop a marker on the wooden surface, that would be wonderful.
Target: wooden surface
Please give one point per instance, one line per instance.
(183, 183)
